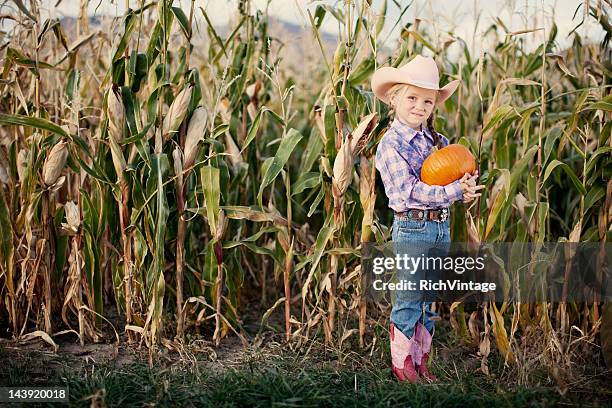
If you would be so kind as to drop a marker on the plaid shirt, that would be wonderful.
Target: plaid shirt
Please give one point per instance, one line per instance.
(399, 158)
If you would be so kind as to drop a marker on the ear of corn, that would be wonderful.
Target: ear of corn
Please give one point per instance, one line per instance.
(22, 164)
(177, 112)
(73, 217)
(54, 163)
(195, 134)
(116, 114)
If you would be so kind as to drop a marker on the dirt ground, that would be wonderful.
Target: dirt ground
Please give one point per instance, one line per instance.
(35, 362)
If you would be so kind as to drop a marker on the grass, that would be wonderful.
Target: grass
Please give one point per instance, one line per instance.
(263, 386)
(273, 375)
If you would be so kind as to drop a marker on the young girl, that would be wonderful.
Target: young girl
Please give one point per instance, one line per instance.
(421, 210)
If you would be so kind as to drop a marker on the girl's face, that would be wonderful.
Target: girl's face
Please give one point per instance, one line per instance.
(413, 105)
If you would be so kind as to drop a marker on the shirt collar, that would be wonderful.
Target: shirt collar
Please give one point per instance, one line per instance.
(407, 132)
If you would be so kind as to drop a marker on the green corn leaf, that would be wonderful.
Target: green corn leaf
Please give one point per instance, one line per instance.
(91, 272)
(214, 34)
(500, 114)
(518, 170)
(603, 105)
(254, 127)
(130, 22)
(362, 71)
(253, 248)
(380, 23)
(285, 149)
(212, 194)
(165, 16)
(551, 137)
(209, 272)
(307, 180)
(329, 122)
(19, 59)
(312, 152)
(594, 194)
(500, 200)
(155, 43)
(230, 38)
(37, 123)
(183, 21)
(72, 85)
(422, 40)
(595, 157)
(556, 163)
(317, 201)
(325, 234)
(90, 214)
(543, 209)
(138, 68)
(319, 15)
(155, 276)
(258, 234)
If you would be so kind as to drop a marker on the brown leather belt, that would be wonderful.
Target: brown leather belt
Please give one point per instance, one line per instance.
(418, 215)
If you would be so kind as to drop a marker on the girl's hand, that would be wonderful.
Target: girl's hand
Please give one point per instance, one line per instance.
(468, 184)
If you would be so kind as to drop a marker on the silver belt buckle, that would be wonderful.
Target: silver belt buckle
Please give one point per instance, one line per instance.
(444, 215)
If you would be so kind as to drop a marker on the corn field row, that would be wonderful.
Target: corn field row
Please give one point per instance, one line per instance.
(140, 170)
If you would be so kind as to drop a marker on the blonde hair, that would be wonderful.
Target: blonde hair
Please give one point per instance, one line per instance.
(398, 90)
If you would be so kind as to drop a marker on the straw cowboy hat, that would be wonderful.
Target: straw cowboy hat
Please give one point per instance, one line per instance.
(420, 71)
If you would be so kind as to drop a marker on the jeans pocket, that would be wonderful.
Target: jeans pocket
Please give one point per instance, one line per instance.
(407, 226)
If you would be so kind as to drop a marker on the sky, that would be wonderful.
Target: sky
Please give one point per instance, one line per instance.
(466, 18)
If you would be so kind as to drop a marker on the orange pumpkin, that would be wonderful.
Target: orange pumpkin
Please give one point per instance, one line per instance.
(448, 164)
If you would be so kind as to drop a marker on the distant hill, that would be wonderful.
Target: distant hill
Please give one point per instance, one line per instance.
(300, 49)
(296, 44)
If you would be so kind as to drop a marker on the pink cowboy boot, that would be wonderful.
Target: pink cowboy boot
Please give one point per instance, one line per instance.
(424, 372)
(402, 352)
(423, 338)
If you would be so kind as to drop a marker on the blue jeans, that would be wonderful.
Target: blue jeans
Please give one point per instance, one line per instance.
(407, 310)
